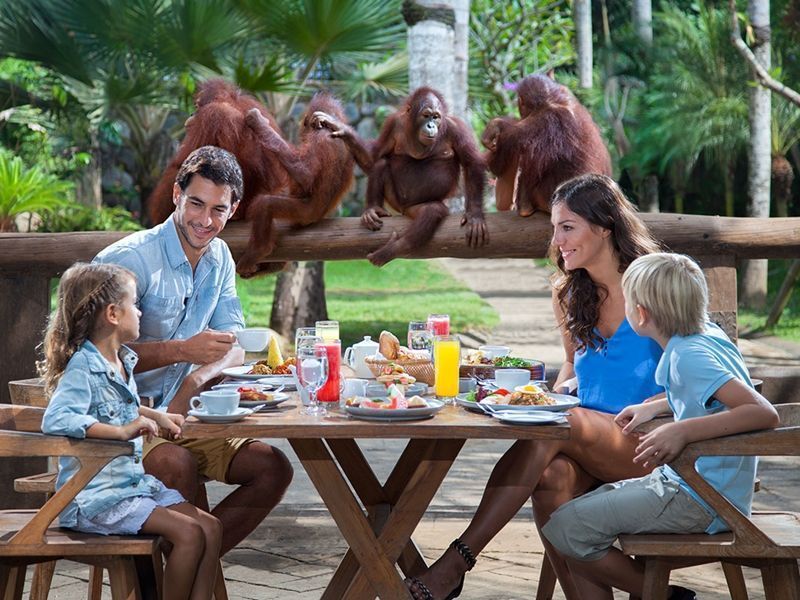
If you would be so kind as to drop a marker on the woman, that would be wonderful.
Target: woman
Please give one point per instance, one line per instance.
(596, 235)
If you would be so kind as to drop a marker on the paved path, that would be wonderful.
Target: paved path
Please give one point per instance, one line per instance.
(294, 552)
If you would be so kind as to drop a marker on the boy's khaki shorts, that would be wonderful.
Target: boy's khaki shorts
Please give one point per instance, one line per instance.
(586, 527)
(213, 455)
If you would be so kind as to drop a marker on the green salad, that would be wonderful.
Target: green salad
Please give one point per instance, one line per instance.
(510, 361)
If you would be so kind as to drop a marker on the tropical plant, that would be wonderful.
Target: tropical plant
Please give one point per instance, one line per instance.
(27, 190)
(77, 217)
(696, 101)
(509, 40)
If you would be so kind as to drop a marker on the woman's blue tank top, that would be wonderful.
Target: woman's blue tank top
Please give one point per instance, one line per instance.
(619, 372)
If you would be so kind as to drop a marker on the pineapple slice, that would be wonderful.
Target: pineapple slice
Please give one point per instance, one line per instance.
(274, 357)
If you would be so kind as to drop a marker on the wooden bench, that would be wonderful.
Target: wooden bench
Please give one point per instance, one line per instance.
(769, 541)
(28, 537)
(30, 392)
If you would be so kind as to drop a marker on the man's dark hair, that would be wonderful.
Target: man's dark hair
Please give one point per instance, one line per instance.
(214, 164)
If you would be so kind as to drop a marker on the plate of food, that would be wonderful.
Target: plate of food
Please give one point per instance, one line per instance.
(287, 381)
(381, 409)
(378, 390)
(482, 367)
(245, 372)
(522, 399)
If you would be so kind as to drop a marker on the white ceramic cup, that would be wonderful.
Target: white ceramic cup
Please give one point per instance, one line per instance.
(216, 402)
(354, 387)
(495, 351)
(511, 378)
(253, 339)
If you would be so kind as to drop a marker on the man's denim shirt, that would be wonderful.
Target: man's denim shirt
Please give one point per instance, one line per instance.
(176, 303)
(93, 391)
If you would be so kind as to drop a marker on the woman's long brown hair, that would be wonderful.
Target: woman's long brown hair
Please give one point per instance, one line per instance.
(85, 290)
(600, 201)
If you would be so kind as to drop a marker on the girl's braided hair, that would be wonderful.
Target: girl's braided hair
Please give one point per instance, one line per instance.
(85, 290)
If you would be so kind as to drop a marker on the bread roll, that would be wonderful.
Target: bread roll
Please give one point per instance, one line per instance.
(388, 345)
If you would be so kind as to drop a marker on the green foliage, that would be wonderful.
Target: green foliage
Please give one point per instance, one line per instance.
(510, 40)
(27, 189)
(789, 325)
(366, 300)
(696, 100)
(377, 81)
(77, 217)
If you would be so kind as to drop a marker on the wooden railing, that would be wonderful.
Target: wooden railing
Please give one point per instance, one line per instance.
(29, 260)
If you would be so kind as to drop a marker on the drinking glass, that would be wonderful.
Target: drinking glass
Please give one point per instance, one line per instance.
(312, 372)
(439, 324)
(304, 332)
(446, 363)
(328, 330)
(330, 391)
(419, 336)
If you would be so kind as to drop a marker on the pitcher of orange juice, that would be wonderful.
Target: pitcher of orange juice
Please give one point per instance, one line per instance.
(446, 363)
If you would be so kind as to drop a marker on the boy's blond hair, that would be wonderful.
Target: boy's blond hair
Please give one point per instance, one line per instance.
(672, 288)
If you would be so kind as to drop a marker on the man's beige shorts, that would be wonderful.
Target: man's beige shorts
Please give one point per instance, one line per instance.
(213, 455)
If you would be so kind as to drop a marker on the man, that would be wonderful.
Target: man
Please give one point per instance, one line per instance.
(187, 295)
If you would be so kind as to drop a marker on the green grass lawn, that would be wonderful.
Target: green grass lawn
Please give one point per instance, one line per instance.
(788, 326)
(366, 300)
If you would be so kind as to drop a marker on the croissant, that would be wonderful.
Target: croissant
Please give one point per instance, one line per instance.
(388, 345)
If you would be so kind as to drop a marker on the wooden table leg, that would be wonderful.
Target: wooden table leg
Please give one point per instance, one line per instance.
(345, 510)
(412, 485)
(378, 502)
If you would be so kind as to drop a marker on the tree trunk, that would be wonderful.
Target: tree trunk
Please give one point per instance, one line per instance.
(299, 299)
(782, 179)
(754, 273)
(649, 197)
(431, 45)
(582, 14)
(642, 13)
(461, 58)
(89, 183)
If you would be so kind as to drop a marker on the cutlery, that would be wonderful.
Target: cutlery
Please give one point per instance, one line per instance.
(257, 407)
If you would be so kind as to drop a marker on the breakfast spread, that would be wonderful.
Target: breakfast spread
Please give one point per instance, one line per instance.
(393, 373)
(262, 367)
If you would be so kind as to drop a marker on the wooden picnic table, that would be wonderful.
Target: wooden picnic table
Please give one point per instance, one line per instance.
(376, 520)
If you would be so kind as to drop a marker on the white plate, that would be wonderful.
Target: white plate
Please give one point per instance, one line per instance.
(276, 400)
(395, 414)
(277, 380)
(378, 390)
(240, 414)
(242, 373)
(562, 402)
(530, 417)
(232, 385)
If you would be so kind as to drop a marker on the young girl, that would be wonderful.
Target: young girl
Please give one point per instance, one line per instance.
(89, 375)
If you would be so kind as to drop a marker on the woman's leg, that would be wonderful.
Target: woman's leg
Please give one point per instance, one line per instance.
(187, 538)
(562, 480)
(596, 444)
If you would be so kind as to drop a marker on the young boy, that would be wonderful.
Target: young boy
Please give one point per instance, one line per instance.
(711, 395)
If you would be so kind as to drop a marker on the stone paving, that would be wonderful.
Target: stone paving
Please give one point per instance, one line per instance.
(294, 552)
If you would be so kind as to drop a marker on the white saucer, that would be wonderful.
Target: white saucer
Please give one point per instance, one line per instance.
(238, 415)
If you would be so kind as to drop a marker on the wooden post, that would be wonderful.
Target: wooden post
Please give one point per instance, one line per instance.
(24, 306)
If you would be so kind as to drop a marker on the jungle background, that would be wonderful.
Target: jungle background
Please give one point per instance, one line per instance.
(94, 95)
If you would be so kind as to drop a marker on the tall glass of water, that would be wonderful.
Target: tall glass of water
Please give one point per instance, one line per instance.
(303, 332)
(328, 330)
(312, 373)
(419, 336)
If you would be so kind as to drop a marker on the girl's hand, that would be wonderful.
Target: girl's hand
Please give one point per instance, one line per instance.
(661, 445)
(140, 426)
(170, 424)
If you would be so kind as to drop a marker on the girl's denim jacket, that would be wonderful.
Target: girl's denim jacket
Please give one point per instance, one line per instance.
(93, 391)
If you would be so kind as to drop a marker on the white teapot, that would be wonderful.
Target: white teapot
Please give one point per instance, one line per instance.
(354, 356)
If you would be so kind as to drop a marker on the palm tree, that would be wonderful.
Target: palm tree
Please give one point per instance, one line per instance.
(696, 102)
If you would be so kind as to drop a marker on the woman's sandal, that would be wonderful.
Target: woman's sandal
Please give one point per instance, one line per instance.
(469, 559)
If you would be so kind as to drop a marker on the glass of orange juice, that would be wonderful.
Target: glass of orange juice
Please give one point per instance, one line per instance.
(446, 361)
